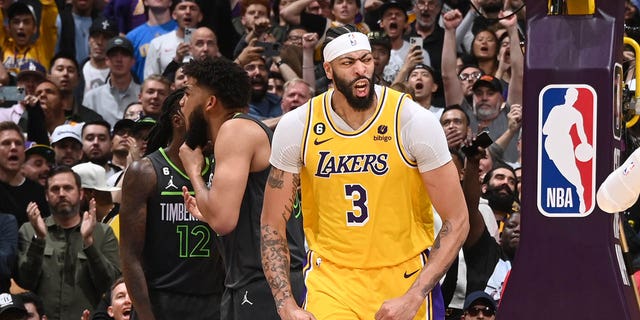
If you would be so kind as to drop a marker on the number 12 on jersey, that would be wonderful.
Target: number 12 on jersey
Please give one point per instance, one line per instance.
(198, 234)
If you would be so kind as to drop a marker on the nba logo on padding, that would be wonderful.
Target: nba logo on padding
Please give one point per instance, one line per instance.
(566, 150)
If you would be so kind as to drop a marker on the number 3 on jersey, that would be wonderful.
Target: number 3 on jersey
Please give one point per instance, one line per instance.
(357, 194)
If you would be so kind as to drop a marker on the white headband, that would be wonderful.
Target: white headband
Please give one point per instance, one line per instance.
(348, 42)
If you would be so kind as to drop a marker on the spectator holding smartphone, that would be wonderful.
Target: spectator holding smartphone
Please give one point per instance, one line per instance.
(188, 15)
(394, 23)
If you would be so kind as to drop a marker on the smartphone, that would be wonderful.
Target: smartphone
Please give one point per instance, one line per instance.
(12, 93)
(187, 34)
(482, 140)
(187, 39)
(271, 49)
(415, 42)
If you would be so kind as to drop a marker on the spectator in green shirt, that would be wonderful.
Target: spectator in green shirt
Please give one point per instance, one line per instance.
(67, 259)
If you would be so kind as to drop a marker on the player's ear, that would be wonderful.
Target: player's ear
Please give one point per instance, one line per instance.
(328, 70)
(211, 102)
(177, 120)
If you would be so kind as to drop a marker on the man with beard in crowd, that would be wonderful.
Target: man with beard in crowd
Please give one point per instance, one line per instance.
(66, 141)
(484, 252)
(216, 95)
(381, 179)
(38, 161)
(489, 260)
(499, 190)
(263, 104)
(66, 245)
(96, 145)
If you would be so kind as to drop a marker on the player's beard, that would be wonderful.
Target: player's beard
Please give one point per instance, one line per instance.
(198, 129)
(357, 103)
(499, 201)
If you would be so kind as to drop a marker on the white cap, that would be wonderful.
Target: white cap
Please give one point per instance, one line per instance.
(70, 130)
(93, 176)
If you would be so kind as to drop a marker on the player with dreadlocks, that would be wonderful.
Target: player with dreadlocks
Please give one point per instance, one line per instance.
(171, 267)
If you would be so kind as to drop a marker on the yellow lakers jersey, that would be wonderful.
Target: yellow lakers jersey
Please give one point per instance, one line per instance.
(363, 199)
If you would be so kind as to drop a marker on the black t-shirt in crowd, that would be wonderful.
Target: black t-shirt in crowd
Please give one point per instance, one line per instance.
(14, 199)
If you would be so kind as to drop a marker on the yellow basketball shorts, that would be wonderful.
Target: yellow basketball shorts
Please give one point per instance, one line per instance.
(341, 293)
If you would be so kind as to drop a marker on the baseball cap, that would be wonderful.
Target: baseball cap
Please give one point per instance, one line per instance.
(144, 123)
(67, 131)
(479, 295)
(32, 67)
(490, 81)
(379, 38)
(123, 124)
(104, 26)
(44, 150)
(93, 176)
(402, 5)
(20, 7)
(120, 42)
(425, 67)
(10, 304)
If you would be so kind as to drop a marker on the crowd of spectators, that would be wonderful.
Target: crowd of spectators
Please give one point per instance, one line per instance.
(90, 78)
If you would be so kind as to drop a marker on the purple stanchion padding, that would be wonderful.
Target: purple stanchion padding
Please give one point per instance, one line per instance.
(568, 265)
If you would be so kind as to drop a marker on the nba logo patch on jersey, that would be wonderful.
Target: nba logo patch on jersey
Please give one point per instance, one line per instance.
(566, 150)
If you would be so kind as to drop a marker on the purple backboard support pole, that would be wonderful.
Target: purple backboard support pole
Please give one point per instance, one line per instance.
(567, 265)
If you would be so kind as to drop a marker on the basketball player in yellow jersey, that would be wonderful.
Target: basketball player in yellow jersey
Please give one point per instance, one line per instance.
(370, 163)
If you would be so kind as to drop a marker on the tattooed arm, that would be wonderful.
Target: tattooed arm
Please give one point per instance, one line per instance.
(279, 198)
(446, 195)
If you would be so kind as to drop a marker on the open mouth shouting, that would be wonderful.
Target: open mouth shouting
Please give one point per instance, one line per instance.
(361, 87)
